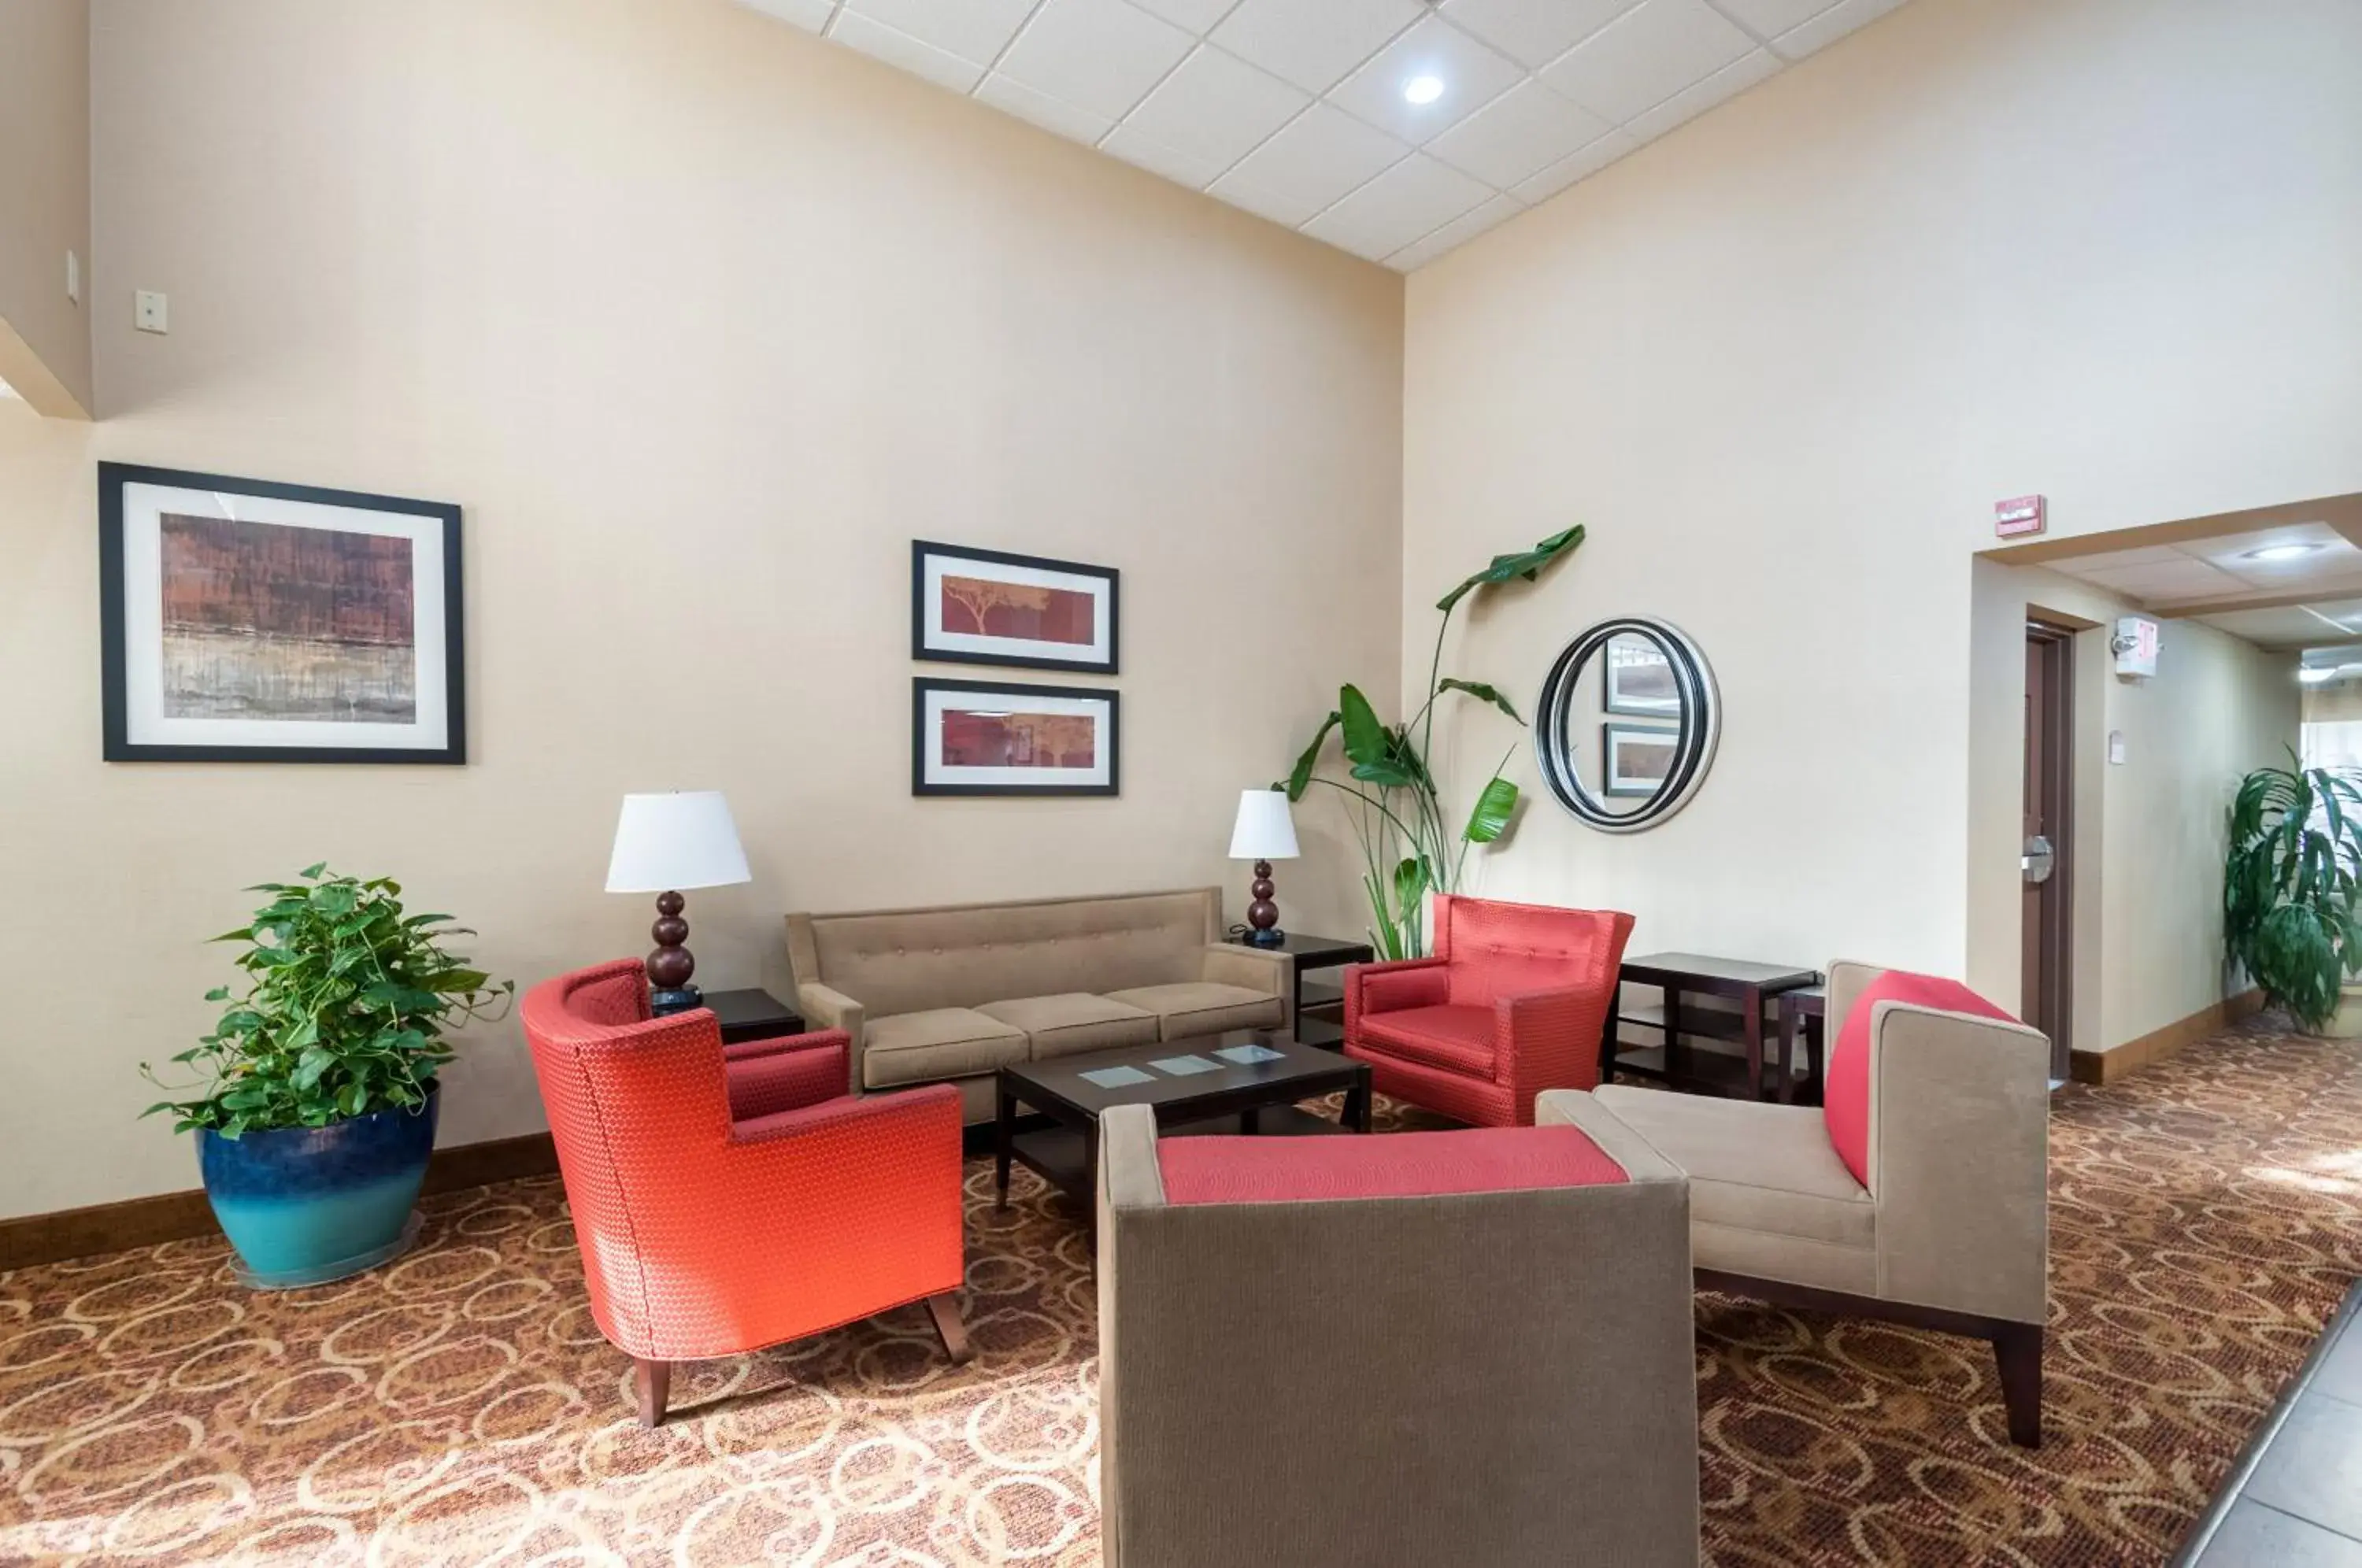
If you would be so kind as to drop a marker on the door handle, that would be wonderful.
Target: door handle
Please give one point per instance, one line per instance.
(2036, 862)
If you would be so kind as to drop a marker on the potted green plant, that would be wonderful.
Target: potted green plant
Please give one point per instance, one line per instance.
(318, 1091)
(2289, 890)
(1410, 848)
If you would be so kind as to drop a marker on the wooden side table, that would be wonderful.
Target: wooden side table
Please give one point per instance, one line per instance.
(751, 1015)
(1678, 1066)
(1326, 1011)
(1802, 1015)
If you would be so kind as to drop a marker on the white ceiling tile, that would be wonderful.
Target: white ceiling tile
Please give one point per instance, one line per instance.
(975, 30)
(1830, 26)
(1517, 134)
(1646, 56)
(1216, 106)
(1313, 43)
(810, 15)
(880, 41)
(1314, 159)
(1287, 211)
(1535, 32)
(1195, 15)
(1764, 19)
(1581, 164)
(1473, 76)
(2171, 580)
(1183, 167)
(1049, 113)
(1405, 203)
(1099, 55)
(1691, 102)
(1459, 231)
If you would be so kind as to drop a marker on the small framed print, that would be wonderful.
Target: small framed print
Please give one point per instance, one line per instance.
(246, 620)
(1636, 758)
(1640, 678)
(989, 607)
(980, 737)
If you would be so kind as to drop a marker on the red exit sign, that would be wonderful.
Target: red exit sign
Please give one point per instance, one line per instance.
(2026, 515)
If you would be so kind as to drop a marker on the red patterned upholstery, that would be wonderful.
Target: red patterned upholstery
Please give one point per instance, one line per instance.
(720, 1207)
(1541, 979)
(1406, 1164)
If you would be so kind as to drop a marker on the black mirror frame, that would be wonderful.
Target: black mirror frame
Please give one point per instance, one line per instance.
(1694, 748)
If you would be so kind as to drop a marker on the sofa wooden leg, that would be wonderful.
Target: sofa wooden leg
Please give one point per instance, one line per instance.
(654, 1381)
(2017, 1347)
(946, 1313)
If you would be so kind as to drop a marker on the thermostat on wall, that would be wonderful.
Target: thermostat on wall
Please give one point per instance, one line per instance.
(2134, 645)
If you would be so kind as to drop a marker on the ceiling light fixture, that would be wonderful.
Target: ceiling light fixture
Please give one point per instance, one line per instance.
(2314, 674)
(1423, 89)
(2280, 552)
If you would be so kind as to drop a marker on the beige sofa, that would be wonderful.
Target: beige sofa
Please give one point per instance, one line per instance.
(950, 995)
(1391, 1376)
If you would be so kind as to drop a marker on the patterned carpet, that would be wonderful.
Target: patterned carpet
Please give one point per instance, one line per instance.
(459, 1407)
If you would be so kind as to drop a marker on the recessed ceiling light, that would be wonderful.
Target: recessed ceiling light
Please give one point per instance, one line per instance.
(2280, 552)
(1423, 89)
(2314, 674)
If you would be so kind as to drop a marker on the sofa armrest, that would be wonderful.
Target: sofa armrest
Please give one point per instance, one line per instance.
(1960, 1139)
(788, 1073)
(1395, 986)
(825, 1007)
(1550, 1040)
(1256, 968)
(1129, 1174)
(1616, 1137)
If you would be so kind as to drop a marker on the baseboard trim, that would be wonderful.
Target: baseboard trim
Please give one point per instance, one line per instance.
(176, 1216)
(2115, 1066)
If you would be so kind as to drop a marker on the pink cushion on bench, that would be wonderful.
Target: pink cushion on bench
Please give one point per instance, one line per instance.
(1845, 1100)
(1394, 1164)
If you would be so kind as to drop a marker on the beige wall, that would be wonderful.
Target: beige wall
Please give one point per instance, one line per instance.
(702, 321)
(45, 202)
(1782, 363)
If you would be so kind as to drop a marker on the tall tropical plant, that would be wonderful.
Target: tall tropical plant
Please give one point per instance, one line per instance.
(2290, 885)
(1409, 845)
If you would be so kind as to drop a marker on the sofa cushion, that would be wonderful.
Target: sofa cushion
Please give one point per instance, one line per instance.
(1456, 1037)
(1752, 1166)
(1846, 1098)
(1074, 1020)
(1204, 1007)
(940, 1043)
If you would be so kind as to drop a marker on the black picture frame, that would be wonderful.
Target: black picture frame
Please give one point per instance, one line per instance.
(1613, 701)
(922, 686)
(921, 621)
(116, 745)
(1610, 733)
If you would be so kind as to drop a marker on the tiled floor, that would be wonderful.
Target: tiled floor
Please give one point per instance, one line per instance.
(2295, 1498)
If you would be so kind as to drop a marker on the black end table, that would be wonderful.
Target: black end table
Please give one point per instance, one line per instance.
(1680, 1065)
(751, 1015)
(1326, 1010)
(1260, 1095)
(1803, 1021)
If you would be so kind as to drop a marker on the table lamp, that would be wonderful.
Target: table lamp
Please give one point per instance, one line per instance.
(663, 843)
(1263, 834)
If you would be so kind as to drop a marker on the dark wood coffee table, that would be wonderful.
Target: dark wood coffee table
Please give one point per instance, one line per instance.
(1233, 1096)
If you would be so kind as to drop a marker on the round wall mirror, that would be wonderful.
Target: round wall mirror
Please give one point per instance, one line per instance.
(1627, 725)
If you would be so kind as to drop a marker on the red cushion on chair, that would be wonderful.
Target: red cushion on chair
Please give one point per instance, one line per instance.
(1845, 1098)
(1455, 1037)
(1397, 1165)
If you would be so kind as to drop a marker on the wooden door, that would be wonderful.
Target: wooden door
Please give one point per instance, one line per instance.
(2048, 851)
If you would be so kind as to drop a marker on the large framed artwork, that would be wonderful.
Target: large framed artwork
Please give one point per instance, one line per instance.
(1636, 758)
(1638, 678)
(981, 737)
(243, 621)
(989, 607)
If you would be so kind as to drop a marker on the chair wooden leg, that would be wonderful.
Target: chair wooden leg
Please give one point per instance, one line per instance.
(946, 1313)
(2017, 1347)
(654, 1381)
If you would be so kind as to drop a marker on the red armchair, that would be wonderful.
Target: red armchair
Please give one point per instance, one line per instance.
(1512, 1003)
(729, 1198)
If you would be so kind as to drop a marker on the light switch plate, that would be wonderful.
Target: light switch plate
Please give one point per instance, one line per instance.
(147, 311)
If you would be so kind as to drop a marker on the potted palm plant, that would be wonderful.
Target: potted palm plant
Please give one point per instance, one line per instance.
(2290, 885)
(318, 1092)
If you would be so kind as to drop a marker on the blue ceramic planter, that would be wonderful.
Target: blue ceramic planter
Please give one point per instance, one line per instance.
(304, 1205)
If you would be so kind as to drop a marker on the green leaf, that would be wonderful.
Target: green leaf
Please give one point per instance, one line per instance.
(243, 934)
(311, 873)
(1299, 779)
(1526, 564)
(1480, 690)
(220, 993)
(1495, 807)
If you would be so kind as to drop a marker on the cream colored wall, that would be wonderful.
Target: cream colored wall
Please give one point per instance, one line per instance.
(1783, 361)
(702, 321)
(45, 202)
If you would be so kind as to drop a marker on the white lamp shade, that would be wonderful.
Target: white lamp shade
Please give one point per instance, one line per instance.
(665, 842)
(1264, 831)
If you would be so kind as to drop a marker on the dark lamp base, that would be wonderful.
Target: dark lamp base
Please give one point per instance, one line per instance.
(678, 998)
(1271, 937)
